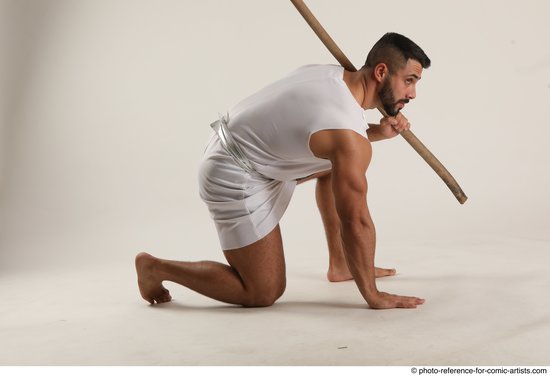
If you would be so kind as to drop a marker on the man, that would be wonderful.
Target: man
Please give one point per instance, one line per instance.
(307, 125)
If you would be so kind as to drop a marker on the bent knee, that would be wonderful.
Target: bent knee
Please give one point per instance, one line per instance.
(264, 297)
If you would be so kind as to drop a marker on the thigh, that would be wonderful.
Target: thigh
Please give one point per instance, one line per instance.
(261, 265)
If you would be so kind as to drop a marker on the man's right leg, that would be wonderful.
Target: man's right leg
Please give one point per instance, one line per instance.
(255, 276)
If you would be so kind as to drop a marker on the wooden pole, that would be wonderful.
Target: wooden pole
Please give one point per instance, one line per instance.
(416, 144)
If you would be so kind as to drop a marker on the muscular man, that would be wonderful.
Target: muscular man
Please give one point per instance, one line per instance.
(309, 124)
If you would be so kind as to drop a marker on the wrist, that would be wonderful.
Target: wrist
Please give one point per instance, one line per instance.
(369, 291)
(374, 134)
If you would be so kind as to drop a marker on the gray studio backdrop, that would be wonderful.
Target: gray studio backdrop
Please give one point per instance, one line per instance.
(105, 106)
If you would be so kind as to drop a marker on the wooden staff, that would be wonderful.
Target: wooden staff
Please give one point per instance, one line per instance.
(427, 155)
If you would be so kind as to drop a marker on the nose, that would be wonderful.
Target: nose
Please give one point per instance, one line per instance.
(412, 93)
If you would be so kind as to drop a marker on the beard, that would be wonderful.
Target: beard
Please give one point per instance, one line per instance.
(388, 99)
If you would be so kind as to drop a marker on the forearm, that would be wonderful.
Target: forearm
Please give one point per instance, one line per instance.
(374, 134)
(329, 215)
(359, 241)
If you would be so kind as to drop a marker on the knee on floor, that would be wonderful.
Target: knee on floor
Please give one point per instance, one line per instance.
(264, 297)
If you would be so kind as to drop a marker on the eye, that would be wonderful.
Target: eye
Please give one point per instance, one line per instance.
(409, 81)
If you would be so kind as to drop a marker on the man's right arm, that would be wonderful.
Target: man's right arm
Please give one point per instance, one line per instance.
(350, 155)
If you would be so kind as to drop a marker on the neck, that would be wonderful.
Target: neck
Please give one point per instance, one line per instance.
(362, 89)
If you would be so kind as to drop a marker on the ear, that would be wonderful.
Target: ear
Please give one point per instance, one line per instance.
(380, 72)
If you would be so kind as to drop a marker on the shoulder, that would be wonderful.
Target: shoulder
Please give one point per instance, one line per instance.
(315, 72)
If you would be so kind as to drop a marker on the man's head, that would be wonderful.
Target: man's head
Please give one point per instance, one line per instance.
(396, 62)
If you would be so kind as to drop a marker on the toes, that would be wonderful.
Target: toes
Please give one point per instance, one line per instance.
(380, 272)
(163, 297)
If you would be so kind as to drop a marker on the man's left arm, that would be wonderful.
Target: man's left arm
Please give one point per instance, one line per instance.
(389, 127)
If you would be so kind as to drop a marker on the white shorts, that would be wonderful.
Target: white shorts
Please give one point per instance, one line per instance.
(244, 207)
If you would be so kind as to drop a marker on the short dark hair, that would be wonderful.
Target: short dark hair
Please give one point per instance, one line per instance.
(394, 50)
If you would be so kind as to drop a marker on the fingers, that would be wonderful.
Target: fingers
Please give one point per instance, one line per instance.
(387, 301)
(409, 302)
(399, 123)
(402, 125)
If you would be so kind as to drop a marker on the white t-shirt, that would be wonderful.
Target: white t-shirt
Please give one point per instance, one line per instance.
(274, 125)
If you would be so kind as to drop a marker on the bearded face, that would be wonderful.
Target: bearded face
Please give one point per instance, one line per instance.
(387, 98)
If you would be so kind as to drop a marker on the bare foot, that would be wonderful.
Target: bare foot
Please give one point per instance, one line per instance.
(151, 288)
(343, 274)
(381, 272)
(339, 275)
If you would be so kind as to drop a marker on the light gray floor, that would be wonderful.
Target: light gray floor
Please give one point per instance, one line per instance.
(487, 304)
(103, 120)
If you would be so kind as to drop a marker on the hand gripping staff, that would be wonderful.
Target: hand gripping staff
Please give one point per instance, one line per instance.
(427, 155)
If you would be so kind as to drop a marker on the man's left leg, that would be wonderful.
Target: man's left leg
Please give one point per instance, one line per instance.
(255, 276)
